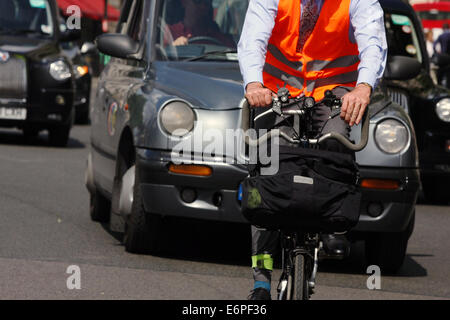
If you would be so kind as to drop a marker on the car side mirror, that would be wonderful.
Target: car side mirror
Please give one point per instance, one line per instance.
(441, 60)
(70, 35)
(88, 47)
(401, 68)
(117, 45)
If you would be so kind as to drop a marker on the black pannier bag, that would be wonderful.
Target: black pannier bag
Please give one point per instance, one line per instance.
(313, 190)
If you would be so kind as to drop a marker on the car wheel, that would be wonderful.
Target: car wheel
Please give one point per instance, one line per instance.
(142, 230)
(29, 133)
(118, 214)
(388, 249)
(434, 192)
(99, 207)
(82, 116)
(59, 136)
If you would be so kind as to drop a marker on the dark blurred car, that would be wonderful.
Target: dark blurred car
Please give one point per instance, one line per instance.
(427, 104)
(151, 87)
(37, 80)
(83, 77)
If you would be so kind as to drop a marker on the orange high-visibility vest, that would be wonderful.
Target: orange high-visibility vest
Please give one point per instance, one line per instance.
(328, 59)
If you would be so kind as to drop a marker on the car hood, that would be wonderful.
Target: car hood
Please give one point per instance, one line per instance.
(32, 48)
(206, 85)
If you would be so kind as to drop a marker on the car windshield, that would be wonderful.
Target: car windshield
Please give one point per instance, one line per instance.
(434, 15)
(200, 29)
(26, 17)
(402, 36)
(210, 30)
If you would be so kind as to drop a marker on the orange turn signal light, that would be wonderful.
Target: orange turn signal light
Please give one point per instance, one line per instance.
(380, 184)
(190, 169)
(82, 70)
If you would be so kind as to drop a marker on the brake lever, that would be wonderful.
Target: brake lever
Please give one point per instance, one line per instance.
(276, 108)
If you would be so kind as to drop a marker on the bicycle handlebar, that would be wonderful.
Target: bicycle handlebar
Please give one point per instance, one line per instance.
(277, 106)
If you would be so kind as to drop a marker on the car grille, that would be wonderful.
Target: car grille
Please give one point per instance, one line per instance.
(399, 97)
(13, 78)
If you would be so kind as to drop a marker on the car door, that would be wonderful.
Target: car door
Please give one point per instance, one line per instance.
(118, 78)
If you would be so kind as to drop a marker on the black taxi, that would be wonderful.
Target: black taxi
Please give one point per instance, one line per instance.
(37, 80)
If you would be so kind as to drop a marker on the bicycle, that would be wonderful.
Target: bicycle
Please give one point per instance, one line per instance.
(300, 250)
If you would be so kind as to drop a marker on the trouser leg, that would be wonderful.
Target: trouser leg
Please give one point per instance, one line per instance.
(321, 122)
(264, 245)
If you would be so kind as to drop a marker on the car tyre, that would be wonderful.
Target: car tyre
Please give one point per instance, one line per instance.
(30, 134)
(142, 230)
(99, 207)
(388, 249)
(82, 116)
(59, 136)
(434, 192)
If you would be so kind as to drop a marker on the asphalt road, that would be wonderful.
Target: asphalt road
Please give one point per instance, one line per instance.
(45, 228)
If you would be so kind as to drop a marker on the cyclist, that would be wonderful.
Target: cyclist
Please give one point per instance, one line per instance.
(310, 46)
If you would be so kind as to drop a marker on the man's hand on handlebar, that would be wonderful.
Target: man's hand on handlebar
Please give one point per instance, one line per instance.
(257, 95)
(355, 103)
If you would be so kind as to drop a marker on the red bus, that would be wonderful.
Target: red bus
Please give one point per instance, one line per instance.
(433, 15)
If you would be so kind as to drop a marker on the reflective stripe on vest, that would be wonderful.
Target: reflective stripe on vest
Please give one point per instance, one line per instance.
(289, 79)
(297, 82)
(328, 58)
(297, 65)
(343, 78)
(341, 62)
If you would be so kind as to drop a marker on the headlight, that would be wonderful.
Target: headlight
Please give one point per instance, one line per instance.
(443, 109)
(80, 71)
(60, 70)
(177, 115)
(391, 136)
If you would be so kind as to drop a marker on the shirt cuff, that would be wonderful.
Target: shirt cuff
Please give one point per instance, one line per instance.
(365, 75)
(253, 76)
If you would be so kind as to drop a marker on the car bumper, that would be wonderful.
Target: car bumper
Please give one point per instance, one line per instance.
(391, 209)
(216, 195)
(43, 114)
(162, 189)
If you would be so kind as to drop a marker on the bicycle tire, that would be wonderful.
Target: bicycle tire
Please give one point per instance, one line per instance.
(299, 284)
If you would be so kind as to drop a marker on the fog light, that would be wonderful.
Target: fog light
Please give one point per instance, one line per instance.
(188, 195)
(374, 209)
(217, 199)
(59, 99)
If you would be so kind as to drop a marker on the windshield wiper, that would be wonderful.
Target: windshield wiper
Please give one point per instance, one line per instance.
(211, 53)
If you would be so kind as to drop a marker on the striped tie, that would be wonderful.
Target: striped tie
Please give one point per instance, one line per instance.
(310, 14)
